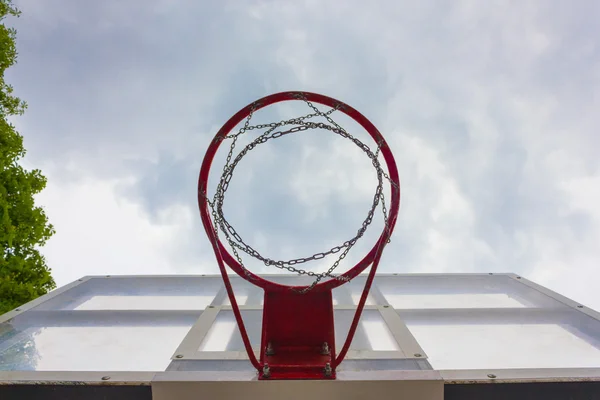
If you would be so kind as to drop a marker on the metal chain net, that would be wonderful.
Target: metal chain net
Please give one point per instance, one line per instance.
(272, 132)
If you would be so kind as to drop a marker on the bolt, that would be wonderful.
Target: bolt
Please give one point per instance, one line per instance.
(179, 356)
(325, 349)
(211, 306)
(580, 306)
(17, 309)
(105, 378)
(518, 277)
(270, 351)
(386, 306)
(492, 376)
(395, 274)
(418, 355)
(80, 280)
(328, 371)
(108, 276)
(266, 371)
(491, 273)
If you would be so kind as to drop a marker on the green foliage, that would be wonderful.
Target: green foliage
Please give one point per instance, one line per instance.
(24, 227)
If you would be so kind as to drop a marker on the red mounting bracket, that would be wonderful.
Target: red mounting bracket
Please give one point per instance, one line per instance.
(298, 336)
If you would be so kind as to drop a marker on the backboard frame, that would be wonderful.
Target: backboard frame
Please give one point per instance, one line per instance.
(455, 381)
(409, 348)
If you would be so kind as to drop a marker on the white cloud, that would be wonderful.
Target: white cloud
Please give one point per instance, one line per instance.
(490, 110)
(100, 233)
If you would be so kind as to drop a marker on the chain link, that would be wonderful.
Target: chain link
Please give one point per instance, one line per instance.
(301, 124)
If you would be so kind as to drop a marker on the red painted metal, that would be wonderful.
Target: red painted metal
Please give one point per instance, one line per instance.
(297, 325)
(234, 306)
(360, 306)
(295, 328)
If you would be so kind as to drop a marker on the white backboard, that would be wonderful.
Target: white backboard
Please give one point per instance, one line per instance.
(470, 326)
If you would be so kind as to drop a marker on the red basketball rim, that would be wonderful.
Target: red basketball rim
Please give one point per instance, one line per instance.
(323, 100)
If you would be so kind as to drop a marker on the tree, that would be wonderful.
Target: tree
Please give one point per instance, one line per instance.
(24, 228)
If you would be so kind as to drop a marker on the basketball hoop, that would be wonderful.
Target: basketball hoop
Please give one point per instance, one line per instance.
(298, 345)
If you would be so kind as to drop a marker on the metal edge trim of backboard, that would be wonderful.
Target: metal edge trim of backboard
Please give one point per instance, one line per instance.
(490, 375)
(420, 274)
(247, 376)
(42, 299)
(472, 376)
(116, 378)
(405, 339)
(190, 344)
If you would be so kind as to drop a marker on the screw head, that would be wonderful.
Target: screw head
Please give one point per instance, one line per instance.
(179, 356)
(266, 371)
(386, 306)
(105, 378)
(490, 273)
(418, 355)
(328, 371)
(108, 276)
(80, 280)
(17, 309)
(270, 351)
(518, 277)
(579, 306)
(211, 306)
(492, 376)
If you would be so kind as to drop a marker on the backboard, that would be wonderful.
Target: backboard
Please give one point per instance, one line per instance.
(432, 336)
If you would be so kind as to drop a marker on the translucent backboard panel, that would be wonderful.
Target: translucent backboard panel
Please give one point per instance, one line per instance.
(457, 300)
(144, 293)
(247, 294)
(349, 294)
(224, 334)
(93, 349)
(460, 291)
(372, 333)
(534, 340)
(460, 322)
(105, 302)
(504, 346)
(84, 347)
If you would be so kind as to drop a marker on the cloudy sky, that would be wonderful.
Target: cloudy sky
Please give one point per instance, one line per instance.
(489, 108)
